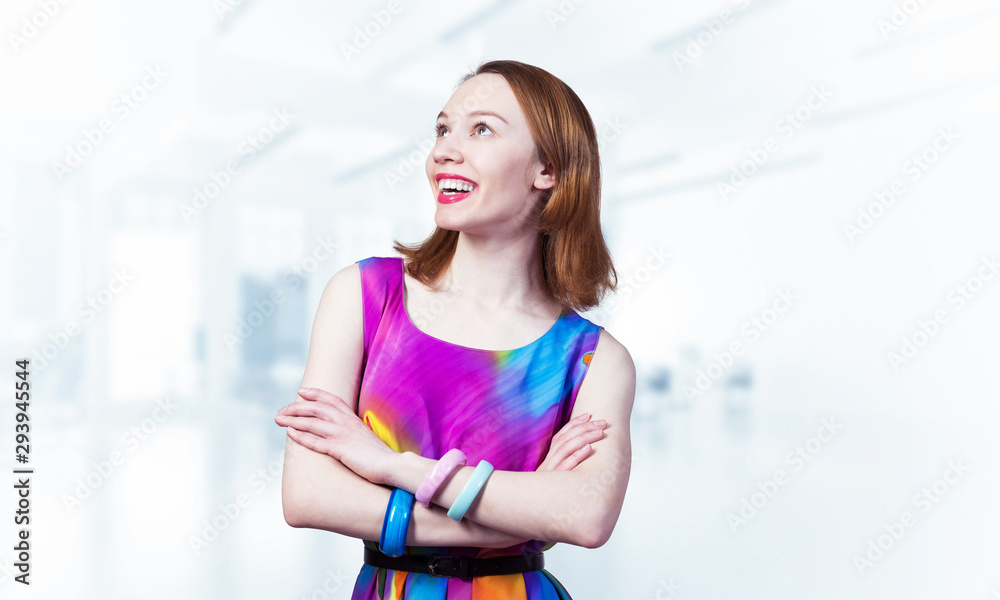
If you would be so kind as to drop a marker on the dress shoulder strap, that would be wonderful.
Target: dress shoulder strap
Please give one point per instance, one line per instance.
(584, 335)
(381, 278)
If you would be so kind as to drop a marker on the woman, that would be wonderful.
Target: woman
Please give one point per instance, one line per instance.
(462, 409)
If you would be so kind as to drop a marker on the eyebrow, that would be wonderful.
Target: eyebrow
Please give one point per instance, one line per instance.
(488, 113)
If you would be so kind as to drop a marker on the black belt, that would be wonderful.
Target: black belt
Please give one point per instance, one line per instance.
(463, 567)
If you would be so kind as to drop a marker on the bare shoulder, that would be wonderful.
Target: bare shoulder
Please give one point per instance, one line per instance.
(611, 357)
(344, 287)
(337, 342)
(608, 388)
(341, 304)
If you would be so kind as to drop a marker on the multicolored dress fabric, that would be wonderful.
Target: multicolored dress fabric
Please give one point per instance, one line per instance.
(424, 395)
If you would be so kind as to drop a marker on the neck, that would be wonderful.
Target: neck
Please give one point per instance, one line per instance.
(500, 273)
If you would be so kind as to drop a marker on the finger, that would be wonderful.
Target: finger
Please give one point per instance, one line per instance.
(310, 409)
(569, 446)
(325, 397)
(312, 425)
(315, 443)
(582, 430)
(575, 426)
(570, 462)
(573, 460)
(571, 429)
(563, 451)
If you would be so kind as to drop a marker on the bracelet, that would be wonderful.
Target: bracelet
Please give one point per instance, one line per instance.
(470, 491)
(445, 465)
(396, 523)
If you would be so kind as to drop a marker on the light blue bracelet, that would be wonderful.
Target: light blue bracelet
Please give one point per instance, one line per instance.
(396, 522)
(470, 491)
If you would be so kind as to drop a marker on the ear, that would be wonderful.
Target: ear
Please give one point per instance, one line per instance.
(546, 178)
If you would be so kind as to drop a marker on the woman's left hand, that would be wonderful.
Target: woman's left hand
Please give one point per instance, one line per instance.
(326, 424)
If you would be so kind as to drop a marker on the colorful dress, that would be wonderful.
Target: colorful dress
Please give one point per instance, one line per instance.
(425, 395)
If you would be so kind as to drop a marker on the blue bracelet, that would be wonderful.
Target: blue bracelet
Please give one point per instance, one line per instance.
(396, 522)
(470, 491)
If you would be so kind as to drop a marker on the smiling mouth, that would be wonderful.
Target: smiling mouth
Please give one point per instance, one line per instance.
(455, 186)
(453, 190)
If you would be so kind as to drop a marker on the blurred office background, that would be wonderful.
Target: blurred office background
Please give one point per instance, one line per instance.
(812, 183)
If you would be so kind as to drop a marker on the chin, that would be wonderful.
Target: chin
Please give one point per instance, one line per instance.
(446, 223)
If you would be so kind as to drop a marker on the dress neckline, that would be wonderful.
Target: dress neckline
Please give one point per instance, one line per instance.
(406, 317)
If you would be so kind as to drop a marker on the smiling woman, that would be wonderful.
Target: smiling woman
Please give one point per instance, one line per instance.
(460, 450)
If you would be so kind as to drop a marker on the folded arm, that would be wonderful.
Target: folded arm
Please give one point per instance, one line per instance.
(580, 506)
(317, 490)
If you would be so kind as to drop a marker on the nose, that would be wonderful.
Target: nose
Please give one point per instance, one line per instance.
(446, 149)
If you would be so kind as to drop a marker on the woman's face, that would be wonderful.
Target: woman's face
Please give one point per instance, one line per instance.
(493, 154)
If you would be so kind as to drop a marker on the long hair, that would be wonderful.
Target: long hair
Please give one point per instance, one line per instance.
(576, 262)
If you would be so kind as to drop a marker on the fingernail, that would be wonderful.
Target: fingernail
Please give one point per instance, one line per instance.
(304, 389)
(599, 422)
(584, 416)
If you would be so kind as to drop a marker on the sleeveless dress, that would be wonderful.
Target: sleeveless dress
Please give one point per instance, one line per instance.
(424, 395)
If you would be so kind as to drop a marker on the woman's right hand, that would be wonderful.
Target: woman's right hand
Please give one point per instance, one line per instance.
(571, 445)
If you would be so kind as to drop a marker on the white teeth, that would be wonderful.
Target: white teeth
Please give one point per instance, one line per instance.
(456, 184)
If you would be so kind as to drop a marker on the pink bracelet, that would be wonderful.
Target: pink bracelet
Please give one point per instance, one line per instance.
(444, 466)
